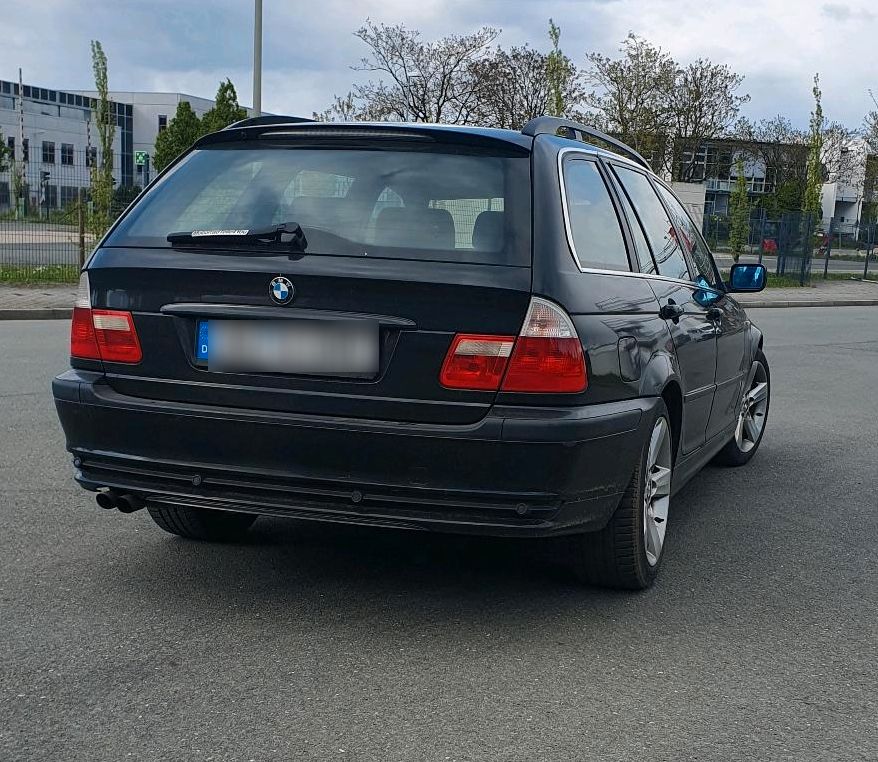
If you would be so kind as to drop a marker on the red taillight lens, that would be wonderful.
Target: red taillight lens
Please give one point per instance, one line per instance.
(546, 365)
(476, 362)
(82, 335)
(116, 336)
(548, 355)
(102, 334)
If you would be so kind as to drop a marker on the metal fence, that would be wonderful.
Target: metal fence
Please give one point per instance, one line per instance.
(786, 245)
(45, 208)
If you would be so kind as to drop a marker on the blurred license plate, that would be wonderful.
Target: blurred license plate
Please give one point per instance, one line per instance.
(322, 347)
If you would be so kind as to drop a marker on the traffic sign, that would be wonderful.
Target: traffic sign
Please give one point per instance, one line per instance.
(140, 158)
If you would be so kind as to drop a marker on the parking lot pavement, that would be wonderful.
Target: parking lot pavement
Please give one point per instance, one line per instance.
(758, 641)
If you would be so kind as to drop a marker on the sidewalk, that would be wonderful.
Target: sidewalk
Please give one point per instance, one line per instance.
(821, 293)
(56, 302)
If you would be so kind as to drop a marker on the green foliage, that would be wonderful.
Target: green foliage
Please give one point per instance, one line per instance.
(226, 111)
(814, 184)
(739, 214)
(5, 154)
(182, 131)
(558, 71)
(185, 128)
(102, 174)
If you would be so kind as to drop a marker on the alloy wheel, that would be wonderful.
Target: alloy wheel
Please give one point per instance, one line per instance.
(754, 406)
(657, 490)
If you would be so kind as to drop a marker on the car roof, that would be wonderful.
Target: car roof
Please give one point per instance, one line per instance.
(281, 126)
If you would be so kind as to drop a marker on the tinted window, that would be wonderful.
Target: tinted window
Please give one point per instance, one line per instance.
(407, 204)
(644, 256)
(692, 241)
(594, 225)
(659, 230)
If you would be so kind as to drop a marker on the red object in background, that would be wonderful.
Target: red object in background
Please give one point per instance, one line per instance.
(769, 246)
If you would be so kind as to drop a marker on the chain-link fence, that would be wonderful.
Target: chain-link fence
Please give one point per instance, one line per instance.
(46, 212)
(786, 245)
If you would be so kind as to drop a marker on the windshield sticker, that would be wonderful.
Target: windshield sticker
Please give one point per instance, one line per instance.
(197, 233)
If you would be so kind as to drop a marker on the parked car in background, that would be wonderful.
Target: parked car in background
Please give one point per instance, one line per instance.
(417, 327)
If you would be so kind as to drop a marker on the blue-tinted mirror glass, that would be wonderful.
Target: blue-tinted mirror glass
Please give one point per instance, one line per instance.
(747, 278)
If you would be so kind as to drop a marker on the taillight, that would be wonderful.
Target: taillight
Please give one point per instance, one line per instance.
(102, 334)
(546, 357)
(476, 362)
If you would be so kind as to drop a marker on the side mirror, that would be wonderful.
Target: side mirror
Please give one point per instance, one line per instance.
(746, 278)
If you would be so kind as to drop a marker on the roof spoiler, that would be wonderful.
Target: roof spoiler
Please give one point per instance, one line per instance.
(267, 120)
(566, 128)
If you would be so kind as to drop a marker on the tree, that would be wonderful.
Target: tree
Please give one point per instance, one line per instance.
(182, 131)
(811, 204)
(516, 85)
(870, 124)
(102, 172)
(421, 81)
(560, 74)
(343, 109)
(783, 151)
(226, 111)
(5, 154)
(704, 104)
(632, 95)
(739, 213)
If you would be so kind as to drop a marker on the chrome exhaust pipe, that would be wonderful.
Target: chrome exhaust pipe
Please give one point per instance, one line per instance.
(128, 503)
(106, 500)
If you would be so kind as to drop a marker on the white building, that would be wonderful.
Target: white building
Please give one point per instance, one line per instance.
(842, 195)
(61, 142)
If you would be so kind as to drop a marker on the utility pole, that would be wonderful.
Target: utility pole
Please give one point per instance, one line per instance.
(257, 59)
(20, 165)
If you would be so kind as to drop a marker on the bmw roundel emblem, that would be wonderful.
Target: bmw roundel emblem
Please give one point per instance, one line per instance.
(281, 290)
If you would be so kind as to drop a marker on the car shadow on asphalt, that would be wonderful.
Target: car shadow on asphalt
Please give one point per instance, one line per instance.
(301, 565)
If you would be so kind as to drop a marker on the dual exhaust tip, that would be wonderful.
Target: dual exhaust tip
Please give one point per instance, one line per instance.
(123, 503)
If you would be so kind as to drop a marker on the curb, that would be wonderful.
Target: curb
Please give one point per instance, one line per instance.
(46, 313)
(810, 303)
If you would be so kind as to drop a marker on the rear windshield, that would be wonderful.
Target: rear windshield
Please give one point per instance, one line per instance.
(409, 204)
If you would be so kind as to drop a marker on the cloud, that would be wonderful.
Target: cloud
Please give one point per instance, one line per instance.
(836, 11)
(189, 46)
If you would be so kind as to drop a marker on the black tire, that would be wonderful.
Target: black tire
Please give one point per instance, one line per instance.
(616, 557)
(202, 523)
(732, 455)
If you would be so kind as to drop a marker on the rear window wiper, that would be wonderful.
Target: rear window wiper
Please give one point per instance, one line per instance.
(288, 234)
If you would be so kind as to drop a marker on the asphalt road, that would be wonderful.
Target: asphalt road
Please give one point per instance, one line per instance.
(759, 641)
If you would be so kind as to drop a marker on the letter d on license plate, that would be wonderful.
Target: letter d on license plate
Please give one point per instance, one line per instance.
(320, 347)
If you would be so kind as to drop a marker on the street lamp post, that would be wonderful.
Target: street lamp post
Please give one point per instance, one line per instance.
(257, 59)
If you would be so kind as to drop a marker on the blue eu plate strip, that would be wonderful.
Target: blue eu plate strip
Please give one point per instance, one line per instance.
(201, 341)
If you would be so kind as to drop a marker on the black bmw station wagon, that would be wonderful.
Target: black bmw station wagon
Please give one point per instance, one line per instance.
(412, 326)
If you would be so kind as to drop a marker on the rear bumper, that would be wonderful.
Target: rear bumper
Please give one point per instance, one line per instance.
(519, 471)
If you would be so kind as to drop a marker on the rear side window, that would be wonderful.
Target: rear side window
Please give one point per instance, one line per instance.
(658, 228)
(440, 205)
(594, 226)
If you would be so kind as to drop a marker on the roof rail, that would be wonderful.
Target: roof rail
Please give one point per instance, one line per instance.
(268, 119)
(565, 128)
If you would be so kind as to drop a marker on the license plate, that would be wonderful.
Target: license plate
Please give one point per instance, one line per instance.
(318, 347)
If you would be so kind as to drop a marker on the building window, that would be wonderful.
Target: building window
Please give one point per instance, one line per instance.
(67, 153)
(163, 122)
(91, 157)
(48, 152)
(10, 144)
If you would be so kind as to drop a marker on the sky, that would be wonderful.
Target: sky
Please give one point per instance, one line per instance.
(309, 47)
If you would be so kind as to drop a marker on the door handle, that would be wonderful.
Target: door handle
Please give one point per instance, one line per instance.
(671, 311)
